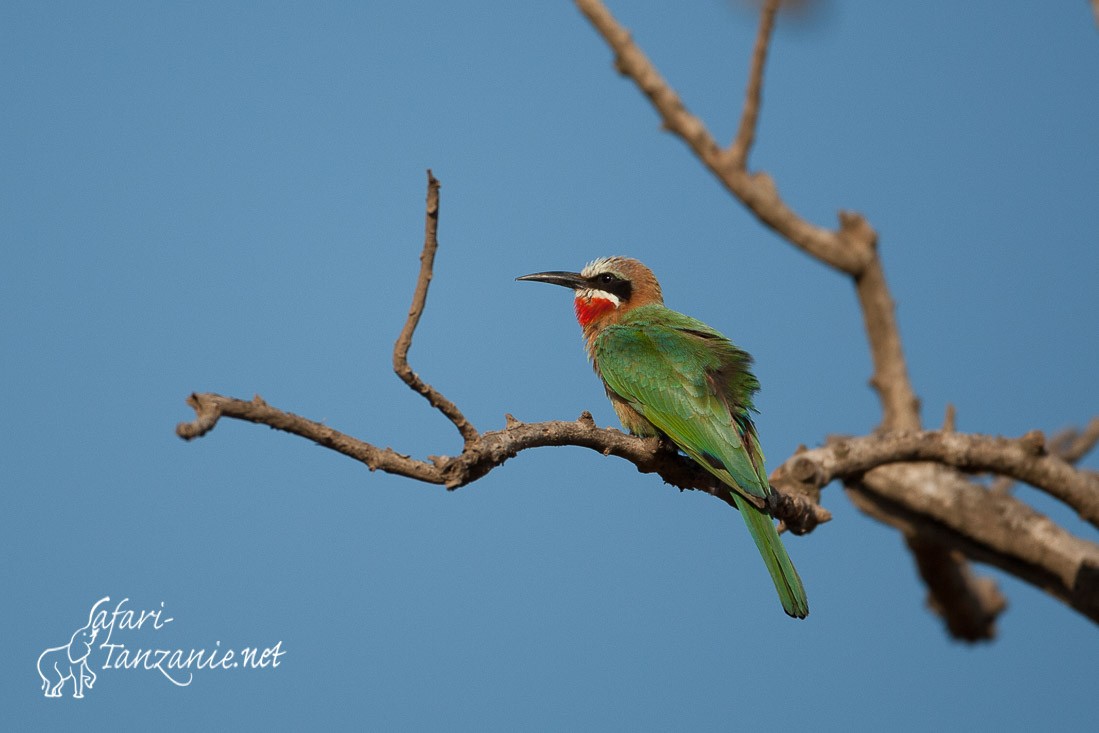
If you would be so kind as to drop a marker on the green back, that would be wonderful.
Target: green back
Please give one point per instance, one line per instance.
(693, 384)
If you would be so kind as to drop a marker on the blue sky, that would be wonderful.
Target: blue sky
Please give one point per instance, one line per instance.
(229, 198)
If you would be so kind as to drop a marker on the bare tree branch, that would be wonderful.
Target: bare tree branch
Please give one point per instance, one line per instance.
(801, 512)
(936, 509)
(993, 528)
(419, 298)
(1024, 459)
(209, 408)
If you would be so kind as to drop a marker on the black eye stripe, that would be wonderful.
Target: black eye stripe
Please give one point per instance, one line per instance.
(613, 284)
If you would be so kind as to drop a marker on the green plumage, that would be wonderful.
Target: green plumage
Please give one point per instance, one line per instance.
(678, 376)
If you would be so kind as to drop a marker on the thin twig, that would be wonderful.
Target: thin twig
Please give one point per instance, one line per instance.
(949, 418)
(1073, 444)
(419, 298)
(745, 134)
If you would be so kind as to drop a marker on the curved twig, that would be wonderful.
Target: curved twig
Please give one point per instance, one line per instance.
(419, 298)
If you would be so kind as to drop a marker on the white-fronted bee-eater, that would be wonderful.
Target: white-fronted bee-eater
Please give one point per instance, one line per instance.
(670, 374)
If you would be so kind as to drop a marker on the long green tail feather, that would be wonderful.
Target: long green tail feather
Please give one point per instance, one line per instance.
(787, 582)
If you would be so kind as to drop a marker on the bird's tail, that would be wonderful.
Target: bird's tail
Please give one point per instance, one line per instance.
(787, 582)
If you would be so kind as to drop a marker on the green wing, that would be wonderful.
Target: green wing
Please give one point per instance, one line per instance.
(693, 384)
(696, 387)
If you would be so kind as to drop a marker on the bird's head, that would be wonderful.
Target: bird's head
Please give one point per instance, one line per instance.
(605, 289)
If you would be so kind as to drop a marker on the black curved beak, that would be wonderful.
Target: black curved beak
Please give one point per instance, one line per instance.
(564, 279)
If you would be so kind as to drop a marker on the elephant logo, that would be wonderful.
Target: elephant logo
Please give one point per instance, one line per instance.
(69, 661)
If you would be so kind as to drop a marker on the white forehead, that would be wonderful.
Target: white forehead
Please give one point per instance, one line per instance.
(595, 267)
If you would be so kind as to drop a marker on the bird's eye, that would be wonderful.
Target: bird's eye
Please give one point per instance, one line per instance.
(606, 278)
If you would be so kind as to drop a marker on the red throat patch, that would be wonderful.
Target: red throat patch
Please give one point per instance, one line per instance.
(588, 309)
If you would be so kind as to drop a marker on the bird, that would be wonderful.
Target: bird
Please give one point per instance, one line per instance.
(668, 374)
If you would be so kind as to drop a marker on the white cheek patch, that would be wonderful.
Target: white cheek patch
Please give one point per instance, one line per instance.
(590, 294)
